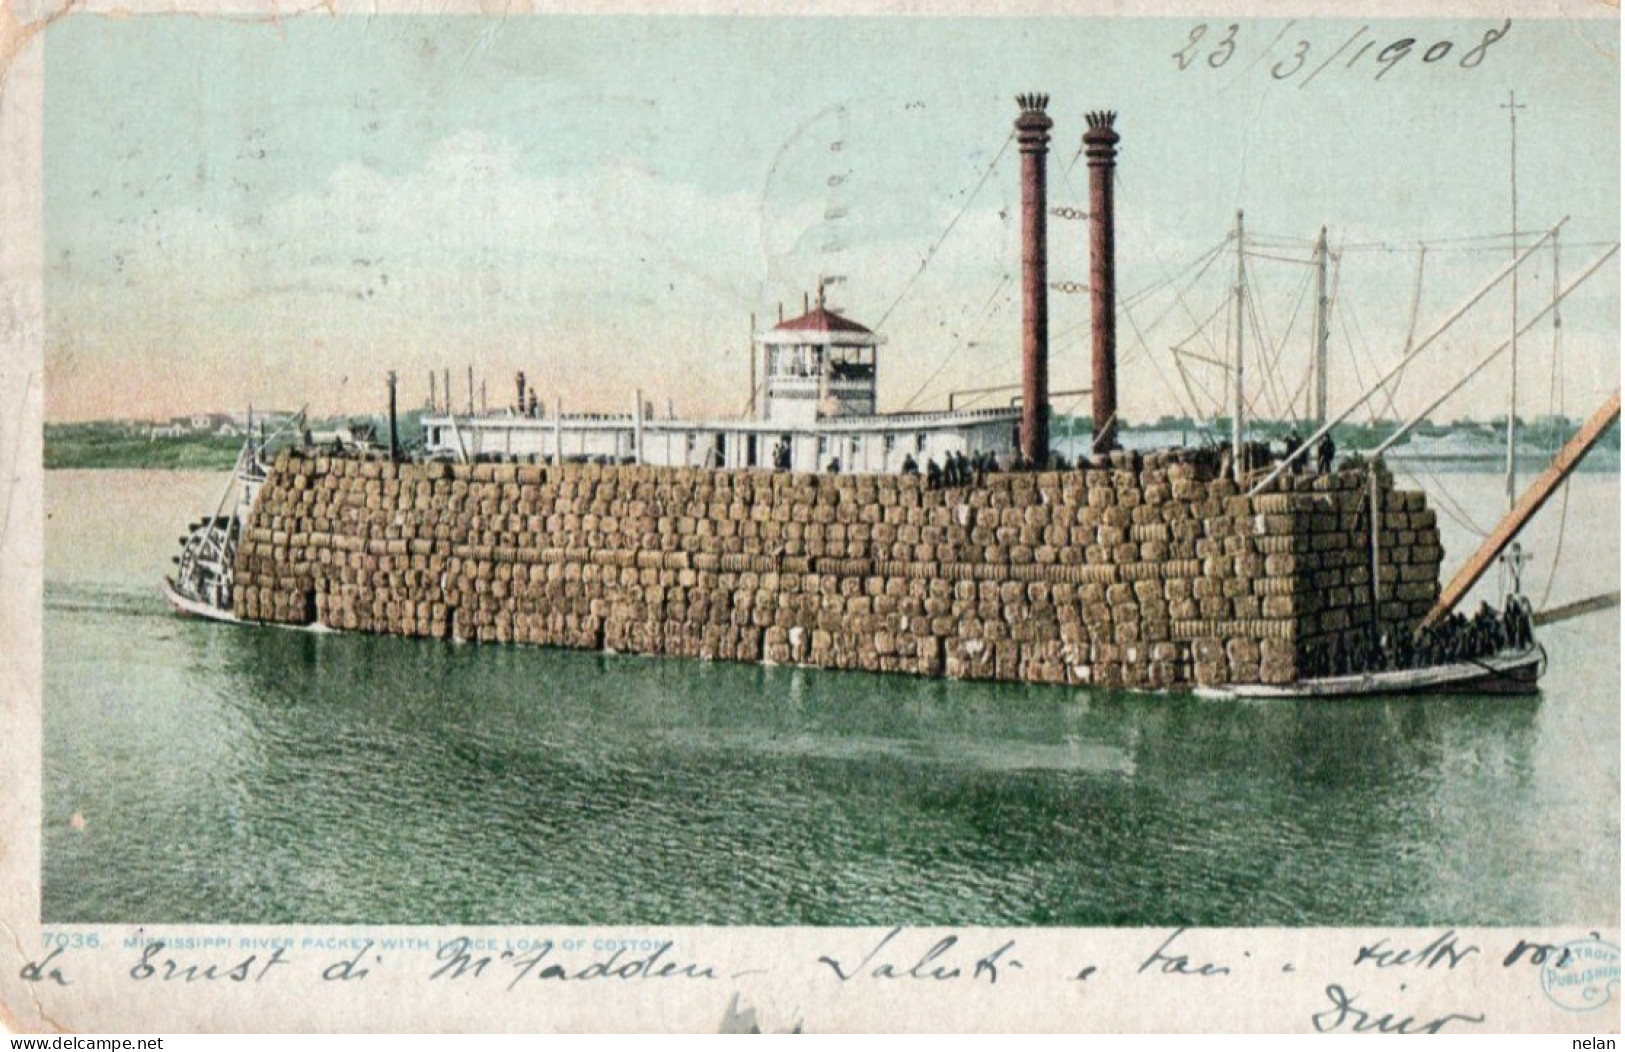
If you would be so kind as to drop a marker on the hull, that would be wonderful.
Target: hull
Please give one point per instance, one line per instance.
(189, 607)
(186, 606)
(1508, 672)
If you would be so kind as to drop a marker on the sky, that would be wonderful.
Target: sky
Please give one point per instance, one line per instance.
(242, 213)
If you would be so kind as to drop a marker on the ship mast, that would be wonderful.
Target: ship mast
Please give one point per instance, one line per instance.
(1512, 560)
(1237, 426)
(1322, 328)
(1512, 107)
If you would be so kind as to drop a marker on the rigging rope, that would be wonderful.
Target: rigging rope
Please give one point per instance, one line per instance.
(1193, 409)
(1452, 510)
(1118, 184)
(1354, 360)
(1286, 339)
(1272, 366)
(1279, 259)
(1203, 261)
(1449, 505)
(1462, 517)
(932, 251)
(1416, 308)
(1162, 377)
(1206, 260)
(987, 313)
(1557, 550)
(1301, 389)
(1371, 359)
(1225, 302)
(1495, 241)
(1555, 400)
(1261, 343)
(1416, 297)
(1066, 173)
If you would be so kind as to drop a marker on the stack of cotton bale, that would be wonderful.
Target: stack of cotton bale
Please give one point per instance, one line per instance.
(278, 555)
(1322, 576)
(1410, 534)
(1143, 573)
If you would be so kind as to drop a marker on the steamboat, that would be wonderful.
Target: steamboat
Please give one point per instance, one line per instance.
(952, 542)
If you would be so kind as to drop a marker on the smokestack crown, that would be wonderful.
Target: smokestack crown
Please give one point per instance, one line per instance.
(1033, 125)
(1101, 139)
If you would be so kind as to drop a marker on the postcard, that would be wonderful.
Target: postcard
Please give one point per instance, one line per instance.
(826, 518)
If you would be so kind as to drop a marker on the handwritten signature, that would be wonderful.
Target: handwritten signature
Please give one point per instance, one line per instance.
(544, 962)
(938, 963)
(1344, 1014)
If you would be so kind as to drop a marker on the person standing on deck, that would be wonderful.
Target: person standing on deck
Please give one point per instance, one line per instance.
(1292, 442)
(1326, 453)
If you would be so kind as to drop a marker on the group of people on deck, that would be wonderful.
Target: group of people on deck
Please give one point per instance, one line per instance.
(1451, 640)
(1325, 452)
(1260, 456)
(956, 470)
(1460, 638)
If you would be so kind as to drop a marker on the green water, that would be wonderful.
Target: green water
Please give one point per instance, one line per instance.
(228, 774)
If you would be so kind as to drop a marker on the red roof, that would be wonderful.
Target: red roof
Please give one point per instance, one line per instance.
(820, 320)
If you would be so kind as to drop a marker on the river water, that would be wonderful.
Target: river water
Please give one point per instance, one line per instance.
(210, 773)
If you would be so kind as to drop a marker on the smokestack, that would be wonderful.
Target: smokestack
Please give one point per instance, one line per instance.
(1101, 143)
(1032, 134)
(394, 442)
(519, 382)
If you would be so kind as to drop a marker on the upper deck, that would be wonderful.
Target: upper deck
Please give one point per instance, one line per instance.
(870, 443)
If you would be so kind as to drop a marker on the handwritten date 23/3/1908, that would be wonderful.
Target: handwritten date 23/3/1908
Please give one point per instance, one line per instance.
(1301, 59)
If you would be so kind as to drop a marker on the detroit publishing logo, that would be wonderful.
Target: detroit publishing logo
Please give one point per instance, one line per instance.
(1583, 976)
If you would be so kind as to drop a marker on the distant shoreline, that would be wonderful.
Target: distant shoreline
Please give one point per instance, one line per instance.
(91, 446)
(190, 453)
(179, 457)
